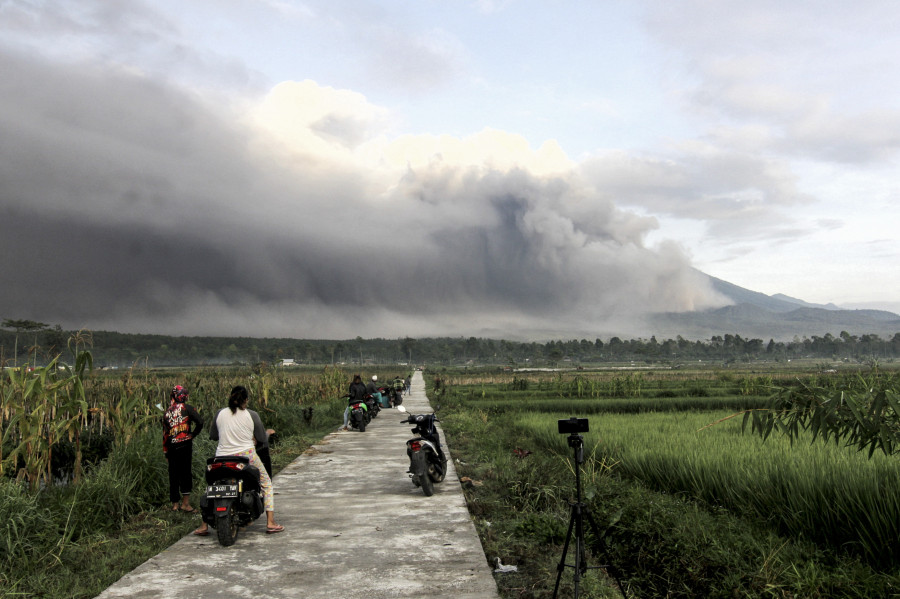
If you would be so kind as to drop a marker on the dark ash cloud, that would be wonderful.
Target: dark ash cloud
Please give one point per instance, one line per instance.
(129, 204)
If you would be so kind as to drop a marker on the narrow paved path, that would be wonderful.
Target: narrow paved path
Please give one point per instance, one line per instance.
(355, 528)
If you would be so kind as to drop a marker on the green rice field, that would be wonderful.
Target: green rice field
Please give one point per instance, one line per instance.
(682, 441)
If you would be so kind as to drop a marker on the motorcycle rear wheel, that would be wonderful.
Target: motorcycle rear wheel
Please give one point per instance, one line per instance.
(227, 527)
(435, 475)
(427, 485)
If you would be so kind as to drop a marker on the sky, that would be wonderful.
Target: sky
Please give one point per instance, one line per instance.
(507, 168)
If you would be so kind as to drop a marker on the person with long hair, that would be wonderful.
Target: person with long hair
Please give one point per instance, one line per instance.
(238, 431)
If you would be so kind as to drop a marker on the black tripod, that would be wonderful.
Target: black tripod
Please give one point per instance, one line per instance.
(576, 523)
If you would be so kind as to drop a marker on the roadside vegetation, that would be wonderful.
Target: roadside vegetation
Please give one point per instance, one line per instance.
(689, 499)
(83, 483)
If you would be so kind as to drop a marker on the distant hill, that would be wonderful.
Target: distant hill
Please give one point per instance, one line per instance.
(799, 302)
(779, 317)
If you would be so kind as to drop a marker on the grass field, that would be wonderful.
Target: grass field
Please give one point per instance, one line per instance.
(690, 505)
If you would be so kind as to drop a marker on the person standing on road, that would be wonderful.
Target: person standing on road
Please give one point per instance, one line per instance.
(357, 394)
(407, 382)
(238, 431)
(181, 423)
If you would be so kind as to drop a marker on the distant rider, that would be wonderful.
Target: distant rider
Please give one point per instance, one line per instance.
(358, 393)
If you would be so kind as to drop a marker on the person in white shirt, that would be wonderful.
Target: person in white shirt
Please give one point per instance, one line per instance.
(238, 431)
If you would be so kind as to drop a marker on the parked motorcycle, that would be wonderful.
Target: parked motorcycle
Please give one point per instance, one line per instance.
(373, 406)
(233, 496)
(359, 414)
(427, 463)
(387, 396)
(397, 389)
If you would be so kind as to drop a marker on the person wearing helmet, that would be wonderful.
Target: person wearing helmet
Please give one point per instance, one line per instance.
(372, 389)
(181, 423)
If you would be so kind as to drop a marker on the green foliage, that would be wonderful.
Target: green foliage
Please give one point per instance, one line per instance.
(24, 524)
(663, 546)
(113, 349)
(863, 413)
(518, 384)
(37, 410)
(829, 494)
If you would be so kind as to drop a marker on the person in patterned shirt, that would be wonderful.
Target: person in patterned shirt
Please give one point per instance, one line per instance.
(181, 423)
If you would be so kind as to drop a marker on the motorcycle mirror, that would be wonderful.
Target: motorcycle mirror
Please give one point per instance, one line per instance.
(401, 408)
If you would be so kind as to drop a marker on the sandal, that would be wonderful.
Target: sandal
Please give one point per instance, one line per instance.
(270, 530)
(190, 511)
(202, 533)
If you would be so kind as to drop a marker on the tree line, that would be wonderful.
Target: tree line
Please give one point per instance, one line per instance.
(31, 343)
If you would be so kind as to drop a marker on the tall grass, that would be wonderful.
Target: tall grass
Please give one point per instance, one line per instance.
(619, 406)
(832, 495)
(660, 543)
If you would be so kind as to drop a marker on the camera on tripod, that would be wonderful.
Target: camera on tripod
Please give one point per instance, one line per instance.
(572, 426)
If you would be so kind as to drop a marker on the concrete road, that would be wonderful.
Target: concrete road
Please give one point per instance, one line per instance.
(356, 527)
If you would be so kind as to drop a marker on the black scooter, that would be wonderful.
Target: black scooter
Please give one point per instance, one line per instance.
(359, 415)
(373, 406)
(233, 496)
(427, 463)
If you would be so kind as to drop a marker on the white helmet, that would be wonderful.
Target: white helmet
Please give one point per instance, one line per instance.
(374, 377)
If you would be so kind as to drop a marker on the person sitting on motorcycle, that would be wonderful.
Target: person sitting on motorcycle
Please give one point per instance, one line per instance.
(398, 385)
(372, 389)
(238, 430)
(357, 394)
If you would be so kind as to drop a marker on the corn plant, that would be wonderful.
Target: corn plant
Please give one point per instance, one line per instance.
(128, 409)
(40, 407)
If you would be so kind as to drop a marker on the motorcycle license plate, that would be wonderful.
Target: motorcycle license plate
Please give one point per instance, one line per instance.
(220, 491)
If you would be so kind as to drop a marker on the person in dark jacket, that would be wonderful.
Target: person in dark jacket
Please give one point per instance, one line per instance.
(372, 388)
(180, 423)
(357, 394)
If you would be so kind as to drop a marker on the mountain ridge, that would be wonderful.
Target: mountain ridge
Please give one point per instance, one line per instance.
(778, 317)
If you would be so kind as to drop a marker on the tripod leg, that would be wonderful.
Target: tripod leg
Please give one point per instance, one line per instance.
(580, 557)
(562, 562)
(610, 569)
